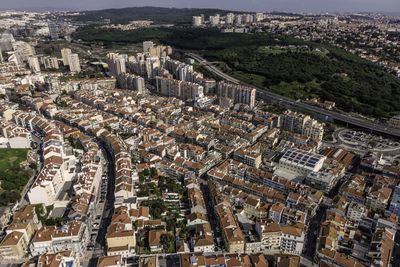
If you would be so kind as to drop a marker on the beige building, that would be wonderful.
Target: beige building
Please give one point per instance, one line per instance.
(270, 234)
(120, 234)
(120, 241)
(14, 246)
(234, 239)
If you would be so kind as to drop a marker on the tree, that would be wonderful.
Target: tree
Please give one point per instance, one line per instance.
(168, 243)
(153, 172)
(8, 197)
(156, 207)
(141, 177)
(146, 172)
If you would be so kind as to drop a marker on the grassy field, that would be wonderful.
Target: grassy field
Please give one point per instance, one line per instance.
(13, 177)
(10, 158)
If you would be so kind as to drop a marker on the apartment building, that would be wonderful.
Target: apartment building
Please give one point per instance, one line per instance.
(14, 246)
(249, 157)
(395, 202)
(50, 63)
(202, 240)
(233, 236)
(120, 234)
(116, 64)
(302, 124)
(180, 89)
(65, 53)
(378, 198)
(17, 137)
(356, 211)
(57, 167)
(74, 64)
(73, 236)
(270, 234)
(293, 238)
(238, 93)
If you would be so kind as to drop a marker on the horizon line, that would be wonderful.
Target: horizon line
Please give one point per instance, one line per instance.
(65, 9)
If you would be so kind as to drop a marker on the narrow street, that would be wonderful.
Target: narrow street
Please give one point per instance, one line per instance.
(313, 232)
(100, 245)
(218, 239)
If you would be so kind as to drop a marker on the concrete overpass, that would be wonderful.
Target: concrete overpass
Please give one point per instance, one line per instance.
(303, 107)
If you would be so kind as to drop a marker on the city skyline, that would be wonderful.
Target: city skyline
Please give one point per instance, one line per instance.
(392, 6)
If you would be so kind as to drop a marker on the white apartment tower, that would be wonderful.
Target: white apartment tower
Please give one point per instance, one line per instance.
(302, 124)
(196, 21)
(229, 19)
(74, 65)
(147, 45)
(50, 62)
(65, 53)
(34, 65)
(116, 64)
(238, 93)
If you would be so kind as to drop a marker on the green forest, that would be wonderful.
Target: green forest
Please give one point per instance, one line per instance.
(13, 177)
(156, 14)
(285, 65)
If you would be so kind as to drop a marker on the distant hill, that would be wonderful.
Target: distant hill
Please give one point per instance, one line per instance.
(156, 14)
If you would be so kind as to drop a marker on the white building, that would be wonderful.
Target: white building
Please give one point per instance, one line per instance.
(71, 236)
(302, 124)
(116, 64)
(53, 30)
(229, 19)
(50, 62)
(203, 240)
(34, 65)
(299, 163)
(23, 49)
(131, 82)
(179, 89)
(356, 211)
(65, 53)
(270, 235)
(292, 239)
(16, 137)
(57, 167)
(147, 45)
(6, 41)
(215, 20)
(74, 65)
(196, 21)
(238, 93)
(322, 180)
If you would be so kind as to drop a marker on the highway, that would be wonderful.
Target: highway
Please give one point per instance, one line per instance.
(303, 107)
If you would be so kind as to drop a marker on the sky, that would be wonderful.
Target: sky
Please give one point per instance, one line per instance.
(245, 5)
